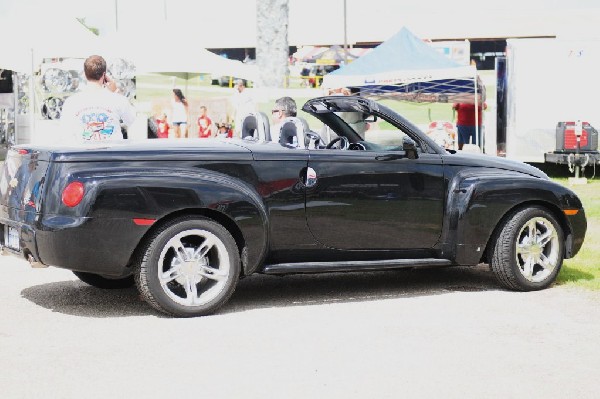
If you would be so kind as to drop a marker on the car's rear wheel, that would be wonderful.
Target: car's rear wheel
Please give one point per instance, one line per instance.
(528, 252)
(109, 283)
(190, 267)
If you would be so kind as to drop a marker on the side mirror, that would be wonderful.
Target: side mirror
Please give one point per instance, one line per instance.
(410, 147)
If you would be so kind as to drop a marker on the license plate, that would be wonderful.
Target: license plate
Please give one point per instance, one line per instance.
(11, 238)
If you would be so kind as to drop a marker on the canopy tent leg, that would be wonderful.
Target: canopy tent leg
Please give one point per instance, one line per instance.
(32, 99)
(477, 114)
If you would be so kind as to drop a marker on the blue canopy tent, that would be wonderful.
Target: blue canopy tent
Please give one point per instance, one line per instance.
(406, 68)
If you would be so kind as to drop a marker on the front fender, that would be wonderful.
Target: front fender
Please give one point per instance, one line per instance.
(477, 203)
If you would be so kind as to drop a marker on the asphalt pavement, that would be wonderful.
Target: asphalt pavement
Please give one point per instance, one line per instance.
(436, 333)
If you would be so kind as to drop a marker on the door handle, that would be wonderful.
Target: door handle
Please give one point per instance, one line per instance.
(309, 177)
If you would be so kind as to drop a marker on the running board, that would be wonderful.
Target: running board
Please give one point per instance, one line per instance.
(351, 266)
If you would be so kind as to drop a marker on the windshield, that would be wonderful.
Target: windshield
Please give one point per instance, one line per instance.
(361, 120)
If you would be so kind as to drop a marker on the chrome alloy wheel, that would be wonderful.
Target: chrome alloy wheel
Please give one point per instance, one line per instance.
(193, 267)
(538, 249)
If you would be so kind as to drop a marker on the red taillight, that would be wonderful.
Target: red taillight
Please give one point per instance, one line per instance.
(73, 194)
(143, 222)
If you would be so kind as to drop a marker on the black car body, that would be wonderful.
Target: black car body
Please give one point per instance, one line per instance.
(189, 217)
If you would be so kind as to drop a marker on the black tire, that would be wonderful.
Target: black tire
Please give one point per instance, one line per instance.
(179, 276)
(528, 250)
(108, 283)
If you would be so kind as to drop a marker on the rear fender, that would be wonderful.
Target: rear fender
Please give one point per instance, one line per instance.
(157, 193)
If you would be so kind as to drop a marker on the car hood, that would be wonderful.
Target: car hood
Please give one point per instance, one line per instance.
(488, 161)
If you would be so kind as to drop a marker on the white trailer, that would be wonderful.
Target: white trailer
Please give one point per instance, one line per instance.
(546, 81)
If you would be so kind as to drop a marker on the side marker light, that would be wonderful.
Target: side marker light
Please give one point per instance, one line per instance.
(143, 222)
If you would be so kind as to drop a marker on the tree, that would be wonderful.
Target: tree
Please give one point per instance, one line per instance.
(272, 48)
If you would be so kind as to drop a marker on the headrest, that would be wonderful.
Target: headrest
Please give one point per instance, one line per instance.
(292, 132)
(255, 126)
(288, 136)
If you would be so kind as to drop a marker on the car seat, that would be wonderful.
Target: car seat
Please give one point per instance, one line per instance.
(255, 127)
(293, 132)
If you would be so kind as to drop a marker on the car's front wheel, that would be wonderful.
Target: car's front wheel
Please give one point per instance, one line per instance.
(528, 252)
(190, 267)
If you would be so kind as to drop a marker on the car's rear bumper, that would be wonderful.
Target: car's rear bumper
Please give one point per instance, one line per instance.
(27, 248)
(100, 246)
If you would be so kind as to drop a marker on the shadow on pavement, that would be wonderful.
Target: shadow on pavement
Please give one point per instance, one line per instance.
(79, 299)
(262, 291)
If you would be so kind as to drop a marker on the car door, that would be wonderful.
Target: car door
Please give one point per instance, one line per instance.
(375, 199)
(280, 172)
(383, 187)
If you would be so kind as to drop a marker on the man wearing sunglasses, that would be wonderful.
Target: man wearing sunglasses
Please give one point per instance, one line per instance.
(284, 107)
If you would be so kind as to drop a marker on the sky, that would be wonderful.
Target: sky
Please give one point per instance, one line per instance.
(232, 22)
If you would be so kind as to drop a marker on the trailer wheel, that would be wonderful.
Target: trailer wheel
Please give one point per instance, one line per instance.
(189, 268)
(529, 249)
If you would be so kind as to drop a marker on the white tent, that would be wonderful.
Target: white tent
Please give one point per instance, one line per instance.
(161, 49)
(168, 49)
(27, 41)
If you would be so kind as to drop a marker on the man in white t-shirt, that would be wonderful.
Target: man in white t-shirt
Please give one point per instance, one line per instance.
(243, 103)
(96, 113)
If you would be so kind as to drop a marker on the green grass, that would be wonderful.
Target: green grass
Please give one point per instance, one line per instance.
(584, 269)
(157, 88)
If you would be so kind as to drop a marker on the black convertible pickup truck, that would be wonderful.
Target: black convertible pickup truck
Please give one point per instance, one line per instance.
(184, 220)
